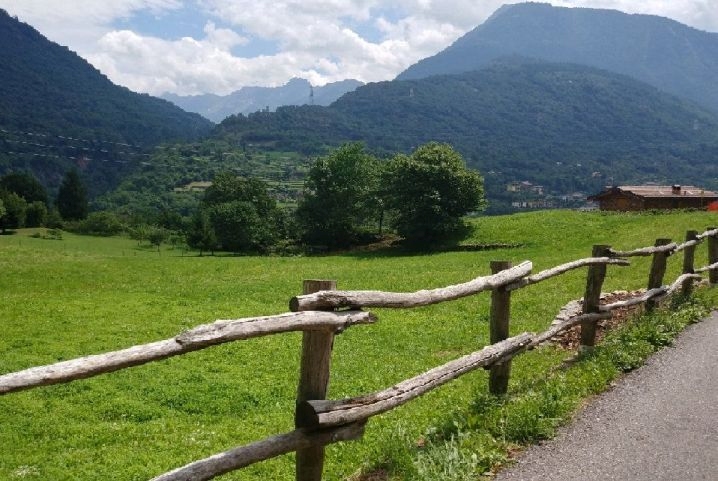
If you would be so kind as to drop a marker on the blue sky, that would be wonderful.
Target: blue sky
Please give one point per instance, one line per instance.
(218, 46)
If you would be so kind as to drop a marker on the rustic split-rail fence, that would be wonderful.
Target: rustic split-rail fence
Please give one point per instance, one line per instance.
(322, 312)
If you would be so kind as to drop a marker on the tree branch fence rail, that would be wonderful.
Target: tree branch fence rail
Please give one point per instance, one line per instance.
(323, 312)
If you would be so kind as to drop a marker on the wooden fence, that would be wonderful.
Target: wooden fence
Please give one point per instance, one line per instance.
(323, 312)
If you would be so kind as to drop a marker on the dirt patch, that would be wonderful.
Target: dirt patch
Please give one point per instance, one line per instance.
(571, 338)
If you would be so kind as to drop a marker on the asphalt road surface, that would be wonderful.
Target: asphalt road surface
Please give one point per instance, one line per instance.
(659, 423)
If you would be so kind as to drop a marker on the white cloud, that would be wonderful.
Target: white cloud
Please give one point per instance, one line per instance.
(79, 24)
(321, 40)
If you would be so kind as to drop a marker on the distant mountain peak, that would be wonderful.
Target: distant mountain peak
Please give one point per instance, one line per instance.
(669, 55)
(297, 91)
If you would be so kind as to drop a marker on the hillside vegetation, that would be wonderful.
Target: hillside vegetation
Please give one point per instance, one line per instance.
(80, 295)
(59, 111)
(662, 52)
(567, 127)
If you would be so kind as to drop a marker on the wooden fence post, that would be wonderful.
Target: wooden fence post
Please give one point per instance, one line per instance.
(592, 297)
(689, 255)
(499, 330)
(658, 270)
(712, 257)
(313, 383)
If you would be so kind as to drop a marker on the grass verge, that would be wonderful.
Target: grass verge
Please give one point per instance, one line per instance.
(478, 441)
(83, 295)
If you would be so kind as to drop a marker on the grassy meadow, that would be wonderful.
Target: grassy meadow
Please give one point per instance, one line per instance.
(82, 295)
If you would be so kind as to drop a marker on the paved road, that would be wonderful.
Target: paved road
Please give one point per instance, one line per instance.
(660, 423)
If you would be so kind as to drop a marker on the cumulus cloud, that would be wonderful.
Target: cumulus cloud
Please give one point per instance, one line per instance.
(320, 40)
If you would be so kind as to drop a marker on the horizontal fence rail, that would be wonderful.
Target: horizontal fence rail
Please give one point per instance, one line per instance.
(321, 422)
(357, 299)
(195, 339)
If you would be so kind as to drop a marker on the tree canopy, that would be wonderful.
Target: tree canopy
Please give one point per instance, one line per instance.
(72, 197)
(340, 197)
(428, 193)
(242, 213)
(25, 185)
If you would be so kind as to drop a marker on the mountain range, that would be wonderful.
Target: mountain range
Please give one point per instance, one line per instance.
(252, 99)
(661, 52)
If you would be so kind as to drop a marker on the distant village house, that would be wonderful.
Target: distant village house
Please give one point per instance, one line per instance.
(645, 197)
(525, 187)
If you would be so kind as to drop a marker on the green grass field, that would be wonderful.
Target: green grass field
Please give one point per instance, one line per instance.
(82, 295)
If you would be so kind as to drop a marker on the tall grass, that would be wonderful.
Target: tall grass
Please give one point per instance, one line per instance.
(80, 295)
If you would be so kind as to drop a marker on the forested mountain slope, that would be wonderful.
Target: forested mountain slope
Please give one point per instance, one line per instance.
(659, 51)
(58, 111)
(565, 126)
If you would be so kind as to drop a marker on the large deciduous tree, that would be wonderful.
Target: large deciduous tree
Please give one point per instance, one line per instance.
(428, 193)
(25, 185)
(242, 213)
(72, 197)
(340, 197)
(14, 211)
(201, 234)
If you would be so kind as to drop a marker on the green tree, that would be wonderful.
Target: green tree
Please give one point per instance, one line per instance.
(428, 193)
(35, 214)
(2, 210)
(243, 215)
(340, 197)
(25, 185)
(15, 208)
(201, 233)
(239, 228)
(157, 236)
(72, 197)
(101, 223)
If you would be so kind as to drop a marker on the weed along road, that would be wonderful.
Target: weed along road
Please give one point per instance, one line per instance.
(659, 423)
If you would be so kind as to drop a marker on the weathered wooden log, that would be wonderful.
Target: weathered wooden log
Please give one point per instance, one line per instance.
(680, 282)
(592, 296)
(658, 292)
(313, 384)
(711, 267)
(557, 329)
(558, 270)
(645, 251)
(710, 232)
(634, 301)
(357, 299)
(658, 270)
(259, 451)
(687, 244)
(198, 338)
(689, 255)
(332, 413)
(499, 330)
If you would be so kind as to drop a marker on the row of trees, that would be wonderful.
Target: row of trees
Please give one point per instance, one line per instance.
(24, 202)
(423, 196)
(349, 196)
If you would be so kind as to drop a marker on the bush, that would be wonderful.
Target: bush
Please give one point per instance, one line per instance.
(35, 214)
(103, 224)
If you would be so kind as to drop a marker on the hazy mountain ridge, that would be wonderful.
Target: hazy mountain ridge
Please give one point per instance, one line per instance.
(51, 97)
(252, 99)
(662, 52)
